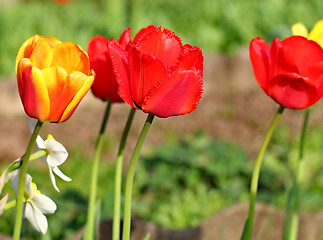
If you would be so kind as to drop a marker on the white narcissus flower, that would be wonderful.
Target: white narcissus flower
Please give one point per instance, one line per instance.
(35, 205)
(56, 156)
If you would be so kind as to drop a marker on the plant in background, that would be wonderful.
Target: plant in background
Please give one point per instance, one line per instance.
(203, 176)
(290, 72)
(160, 76)
(52, 78)
(293, 202)
(105, 87)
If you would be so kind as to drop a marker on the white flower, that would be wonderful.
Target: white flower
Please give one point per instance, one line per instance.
(35, 205)
(56, 156)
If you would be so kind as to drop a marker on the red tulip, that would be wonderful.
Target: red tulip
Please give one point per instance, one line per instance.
(289, 71)
(157, 74)
(61, 1)
(105, 85)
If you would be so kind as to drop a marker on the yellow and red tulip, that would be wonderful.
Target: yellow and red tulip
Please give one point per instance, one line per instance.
(52, 77)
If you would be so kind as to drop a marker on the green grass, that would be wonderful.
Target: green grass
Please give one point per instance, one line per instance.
(216, 25)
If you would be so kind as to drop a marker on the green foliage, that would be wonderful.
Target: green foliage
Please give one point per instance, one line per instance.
(215, 25)
(183, 182)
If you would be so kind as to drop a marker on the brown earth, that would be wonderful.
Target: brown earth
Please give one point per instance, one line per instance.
(232, 107)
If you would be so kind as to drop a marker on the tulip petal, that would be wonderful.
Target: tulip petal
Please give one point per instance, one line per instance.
(125, 38)
(282, 59)
(97, 46)
(142, 33)
(32, 90)
(259, 52)
(164, 45)
(179, 94)
(119, 59)
(105, 85)
(41, 57)
(25, 49)
(52, 41)
(304, 52)
(70, 56)
(145, 72)
(76, 80)
(192, 58)
(56, 81)
(317, 33)
(292, 91)
(300, 30)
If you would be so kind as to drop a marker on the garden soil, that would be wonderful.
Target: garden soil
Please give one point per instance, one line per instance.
(233, 107)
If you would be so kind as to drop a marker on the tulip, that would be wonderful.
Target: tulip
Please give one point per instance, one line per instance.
(289, 71)
(316, 33)
(105, 85)
(158, 74)
(52, 77)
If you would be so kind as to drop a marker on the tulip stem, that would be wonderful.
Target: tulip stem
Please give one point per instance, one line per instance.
(130, 176)
(118, 178)
(89, 233)
(292, 210)
(255, 175)
(21, 184)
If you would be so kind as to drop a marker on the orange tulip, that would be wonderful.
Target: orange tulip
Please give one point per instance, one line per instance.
(52, 77)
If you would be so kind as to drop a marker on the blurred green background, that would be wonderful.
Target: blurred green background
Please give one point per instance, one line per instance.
(215, 25)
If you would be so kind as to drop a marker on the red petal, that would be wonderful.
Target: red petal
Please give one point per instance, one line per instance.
(119, 59)
(105, 85)
(192, 58)
(143, 32)
(32, 90)
(145, 72)
(292, 91)
(259, 56)
(125, 38)
(177, 95)
(164, 45)
(305, 52)
(315, 75)
(97, 47)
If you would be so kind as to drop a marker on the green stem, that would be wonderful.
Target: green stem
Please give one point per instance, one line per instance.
(130, 176)
(292, 212)
(89, 233)
(33, 157)
(21, 186)
(256, 171)
(118, 178)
